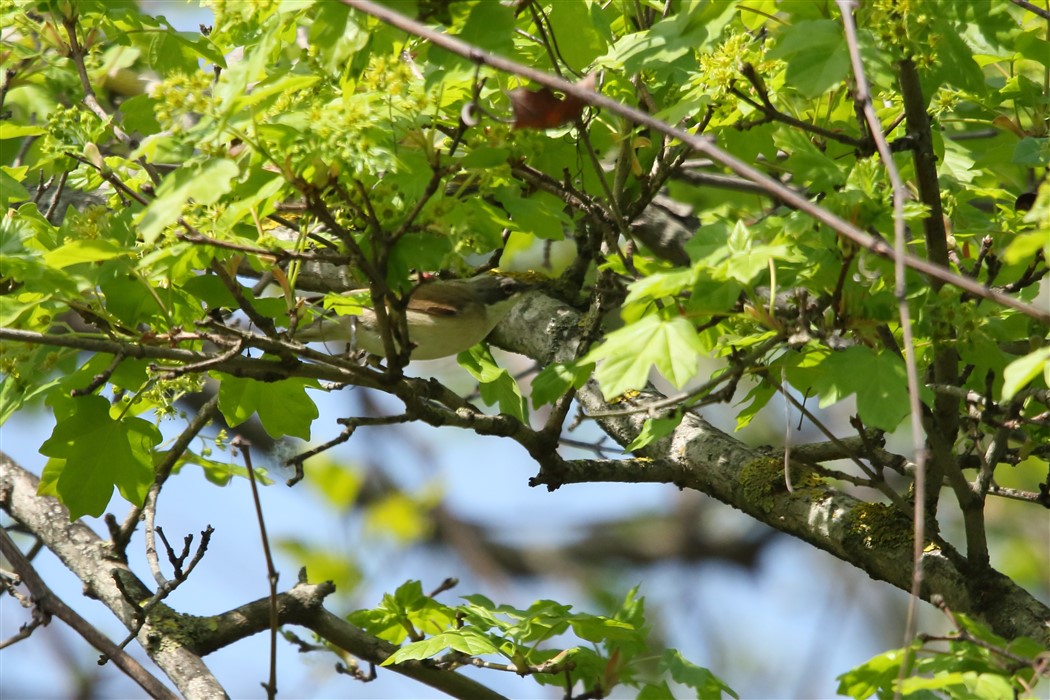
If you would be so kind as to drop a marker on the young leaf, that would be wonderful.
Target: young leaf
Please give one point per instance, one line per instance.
(627, 355)
(465, 640)
(708, 686)
(1019, 373)
(94, 452)
(816, 54)
(654, 429)
(878, 380)
(496, 384)
(555, 379)
(204, 183)
(283, 407)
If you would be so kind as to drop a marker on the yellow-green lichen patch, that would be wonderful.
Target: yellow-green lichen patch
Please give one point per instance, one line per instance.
(763, 479)
(878, 526)
(178, 629)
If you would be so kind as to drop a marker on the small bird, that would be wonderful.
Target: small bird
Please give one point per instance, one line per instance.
(444, 317)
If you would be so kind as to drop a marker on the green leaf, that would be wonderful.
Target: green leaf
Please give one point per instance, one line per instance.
(465, 640)
(713, 296)
(334, 564)
(11, 189)
(140, 114)
(204, 182)
(94, 452)
(539, 214)
(878, 379)
(956, 64)
(961, 684)
(284, 407)
(816, 54)
(1022, 371)
(485, 157)
(759, 396)
(557, 378)
(661, 285)
(329, 26)
(990, 686)
(335, 482)
(811, 165)
(91, 250)
(595, 628)
(655, 692)
(578, 32)
(210, 290)
(746, 264)
(18, 131)
(218, 473)
(490, 26)
(279, 84)
(654, 429)
(129, 299)
(659, 47)
(406, 608)
(169, 52)
(399, 516)
(1026, 245)
(708, 686)
(496, 384)
(1032, 152)
(421, 251)
(878, 673)
(14, 393)
(627, 355)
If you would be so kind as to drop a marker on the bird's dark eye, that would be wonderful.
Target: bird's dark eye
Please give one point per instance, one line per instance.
(509, 285)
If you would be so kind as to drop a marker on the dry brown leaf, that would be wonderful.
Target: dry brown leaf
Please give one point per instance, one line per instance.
(542, 109)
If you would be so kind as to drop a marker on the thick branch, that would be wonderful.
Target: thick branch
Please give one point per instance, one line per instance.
(698, 456)
(88, 557)
(262, 369)
(47, 601)
(943, 426)
(85, 554)
(303, 605)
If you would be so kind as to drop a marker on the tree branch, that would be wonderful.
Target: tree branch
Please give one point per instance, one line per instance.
(334, 369)
(51, 604)
(87, 556)
(84, 553)
(1035, 9)
(696, 455)
(303, 605)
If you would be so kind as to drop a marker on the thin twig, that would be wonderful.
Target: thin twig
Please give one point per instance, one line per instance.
(876, 482)
(787, 436)
(766, 107)
(163, 470)
(350, 427)
(76, 53)
(278, 254)
(271, 571)
(1034, 9)
(142, 612)
(99, 379)
(900, 194)
(56, 198)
